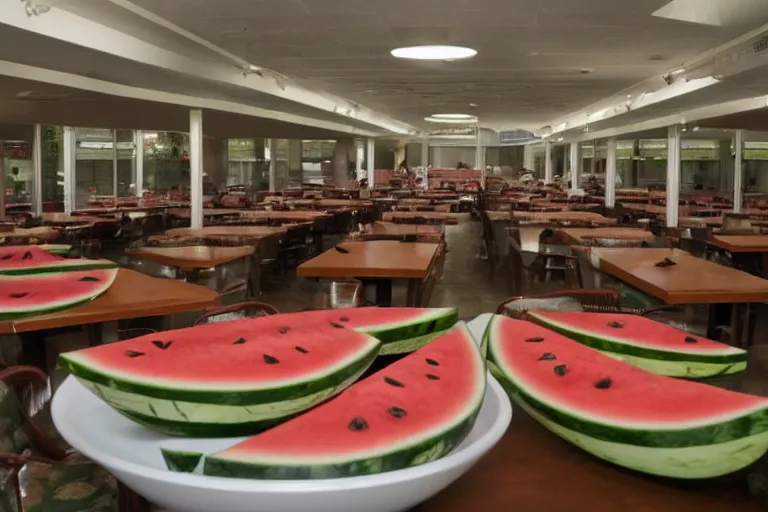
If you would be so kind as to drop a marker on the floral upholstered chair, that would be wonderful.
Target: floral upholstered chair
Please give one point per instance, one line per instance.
(38, 472)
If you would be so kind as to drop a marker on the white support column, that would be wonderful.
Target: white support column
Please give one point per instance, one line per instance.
(359, 159)
(593, 163)
(272, 164)
(371, 153)
(69, 167)
(738, 176)
(548, 172)
(37, 171)
(610, 175)
(196, 167)
(479, 153)
(529, 161)
(138, 164)
(575, 166)
(425, 153)
(673, 175)
(114, 164)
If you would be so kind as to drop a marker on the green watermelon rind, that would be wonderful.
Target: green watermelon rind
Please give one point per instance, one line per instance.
(181, 462)
(619, 348)
(749, 424)
(223, 397)
(276, 412)
(426, 451)
(65, 265)
(413, 333)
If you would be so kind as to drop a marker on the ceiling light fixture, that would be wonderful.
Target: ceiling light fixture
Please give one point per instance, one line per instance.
(451, 118)
(434, 52)
(473, 105)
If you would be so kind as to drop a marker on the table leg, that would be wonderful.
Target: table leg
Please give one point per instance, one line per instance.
(34, 351)
(129, 501)
(94, 334)
(414, 290)
(719, 315)
(384, 292)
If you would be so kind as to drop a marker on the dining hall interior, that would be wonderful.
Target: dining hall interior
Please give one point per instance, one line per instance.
(294, 255)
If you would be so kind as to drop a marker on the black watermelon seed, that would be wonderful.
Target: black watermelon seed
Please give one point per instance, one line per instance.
(19, 295)
(432, 376)
(393, 382)
(604, 383)
(357, 424)
(284, 330)
(548, 356)
(534, 340)
(88, 279)
(301, 349)
(6, 257)
(338, 326)
(162, 344)
(398, 412)
(561, 370)
(343, 319)
(691, 339)
(239, 341)
(133, 353)
(432, 362)
(615, 325)
(270, 360)
(27, 256)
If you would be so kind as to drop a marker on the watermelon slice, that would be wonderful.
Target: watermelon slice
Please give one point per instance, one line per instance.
(415, 411)
(400, 330)
(22, 296)
(31, 259)
(224, 379)
(653, 346)
(620, 413)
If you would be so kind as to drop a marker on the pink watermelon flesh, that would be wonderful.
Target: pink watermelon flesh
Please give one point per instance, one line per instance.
(228, 355)
(636, 397)
(28, 259)
(29, 294)
(420, 397)
(634, 329)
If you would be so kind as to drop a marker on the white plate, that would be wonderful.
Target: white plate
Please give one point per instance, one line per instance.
(132, 454)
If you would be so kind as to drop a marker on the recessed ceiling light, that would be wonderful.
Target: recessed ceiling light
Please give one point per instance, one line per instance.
(451, 118)
(585, 71)
(473, 105)
(436, 52)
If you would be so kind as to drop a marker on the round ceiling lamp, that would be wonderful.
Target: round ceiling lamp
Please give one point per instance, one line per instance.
(451, 118)
(434, 52)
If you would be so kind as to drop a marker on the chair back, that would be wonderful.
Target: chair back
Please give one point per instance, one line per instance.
(235, 312)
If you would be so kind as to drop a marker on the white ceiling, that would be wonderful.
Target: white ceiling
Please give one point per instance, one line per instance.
(527, 72)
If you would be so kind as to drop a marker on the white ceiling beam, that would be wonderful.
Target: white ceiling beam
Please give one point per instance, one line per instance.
(16, 70)
(690, 116)
(65, 26)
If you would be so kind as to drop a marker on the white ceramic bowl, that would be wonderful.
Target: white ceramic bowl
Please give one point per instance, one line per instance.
(132, 454)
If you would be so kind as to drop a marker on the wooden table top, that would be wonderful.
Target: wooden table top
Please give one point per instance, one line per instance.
(285, 215)
(245, 231)
(193, 256)
(185, 213)
(741, 243)
(577, 235)
(448, 218)
(65, 219)
(381, 258)
(526, 472)
(132, 295)
(691, 281)
(345, 202)
(41, 232)
(391, 228)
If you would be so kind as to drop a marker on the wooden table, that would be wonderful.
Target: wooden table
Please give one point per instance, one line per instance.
(132, 295)
(291, 216)
(191, 257)
(390, 230)
(585, 217)
(691, 281)
(381, 261)
(436, 217)
(578, 236)
(255, 232)
(741, 243)
(65, 219)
